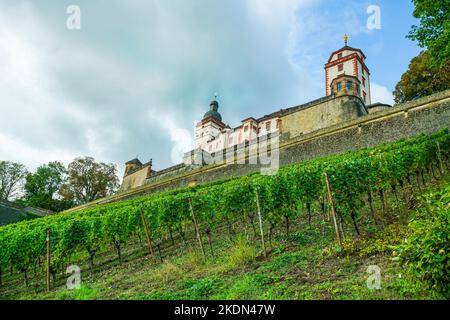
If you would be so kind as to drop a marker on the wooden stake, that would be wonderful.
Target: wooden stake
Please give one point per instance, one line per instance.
(149, 240)
(439, 158)
(199, 236)
(48, 260)
(333, 212)
(261, 224)
(383, 192)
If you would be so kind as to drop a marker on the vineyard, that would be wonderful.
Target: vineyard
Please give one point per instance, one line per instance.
(339, 189)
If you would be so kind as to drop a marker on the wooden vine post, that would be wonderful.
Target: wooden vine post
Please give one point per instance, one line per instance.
(333, 212)
(48, 259)
(261, 223)
(149, 240)
(383, 192)
(199, 236)
(439, 158)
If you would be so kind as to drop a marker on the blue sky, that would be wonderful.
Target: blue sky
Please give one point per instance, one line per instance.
(138, 74)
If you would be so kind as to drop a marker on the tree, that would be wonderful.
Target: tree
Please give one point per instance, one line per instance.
(88, 180)
(434, 29)
(42, 187)
(421, 79)
(12, 176)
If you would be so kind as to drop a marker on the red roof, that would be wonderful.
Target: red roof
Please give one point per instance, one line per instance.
(346, 48)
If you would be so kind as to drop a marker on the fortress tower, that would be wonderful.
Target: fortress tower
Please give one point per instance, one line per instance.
(346, 73)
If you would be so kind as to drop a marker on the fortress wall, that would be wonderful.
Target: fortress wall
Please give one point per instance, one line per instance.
(135, 179)
(426, 115)
(323, 115)
(404, 121)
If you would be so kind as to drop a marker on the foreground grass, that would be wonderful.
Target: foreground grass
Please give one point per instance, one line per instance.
(297, 268)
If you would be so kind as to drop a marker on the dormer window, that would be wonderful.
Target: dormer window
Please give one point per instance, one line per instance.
(268, 126)
(339, 55)
(341, 67)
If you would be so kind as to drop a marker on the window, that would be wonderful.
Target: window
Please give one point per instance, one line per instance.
(349, 85)
(268, 126)
(339, 55)
(278, 123)
(357, 89)
(339, 87)
(245, 128)
(341, 67)
(364, 95)
(363, 81)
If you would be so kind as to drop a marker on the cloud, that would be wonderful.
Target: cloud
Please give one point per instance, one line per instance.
(87, 92)
(381, 94)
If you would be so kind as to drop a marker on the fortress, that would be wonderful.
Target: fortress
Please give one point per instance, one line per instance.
(347, 97)
(342, 120)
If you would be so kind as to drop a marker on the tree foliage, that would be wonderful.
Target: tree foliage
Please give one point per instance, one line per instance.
(88, 180)
(433, 31)
(422, 79)
(42, 188)
(12, 176)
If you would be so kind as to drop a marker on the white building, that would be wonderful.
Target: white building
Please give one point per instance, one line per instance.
(346, 72)
(212, 135)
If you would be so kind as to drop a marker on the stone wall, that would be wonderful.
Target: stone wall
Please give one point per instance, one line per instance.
(135, 179)
(426, 115)
(323, 115)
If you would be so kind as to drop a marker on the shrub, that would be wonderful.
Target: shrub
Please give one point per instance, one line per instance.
(427, 250)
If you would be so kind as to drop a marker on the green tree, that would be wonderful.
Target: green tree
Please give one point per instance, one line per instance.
(88, 180)
(434, 29)
(422, 79)
(12, 176)
(42, 187)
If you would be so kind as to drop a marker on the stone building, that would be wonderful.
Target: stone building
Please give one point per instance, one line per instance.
(347, 97)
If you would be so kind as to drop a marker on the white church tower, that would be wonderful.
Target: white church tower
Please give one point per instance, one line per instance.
(209, 128)
(346, 73)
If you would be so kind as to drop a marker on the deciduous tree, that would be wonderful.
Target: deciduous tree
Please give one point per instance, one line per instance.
(422, 79)
(433, 32)
(42, 188)
(12, 176)
(88, 180)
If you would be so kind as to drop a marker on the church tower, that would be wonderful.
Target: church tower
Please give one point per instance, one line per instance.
(346, 73)
(210, 127)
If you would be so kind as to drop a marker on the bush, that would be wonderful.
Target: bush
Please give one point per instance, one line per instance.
(427, 250)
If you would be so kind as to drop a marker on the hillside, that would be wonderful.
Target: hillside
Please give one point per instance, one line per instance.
(323, 224)
(303, 265)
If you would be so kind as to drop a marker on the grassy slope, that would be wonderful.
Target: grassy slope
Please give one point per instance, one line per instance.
(304, 265)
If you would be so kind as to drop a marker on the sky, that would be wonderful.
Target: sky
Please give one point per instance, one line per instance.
(138, 74)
